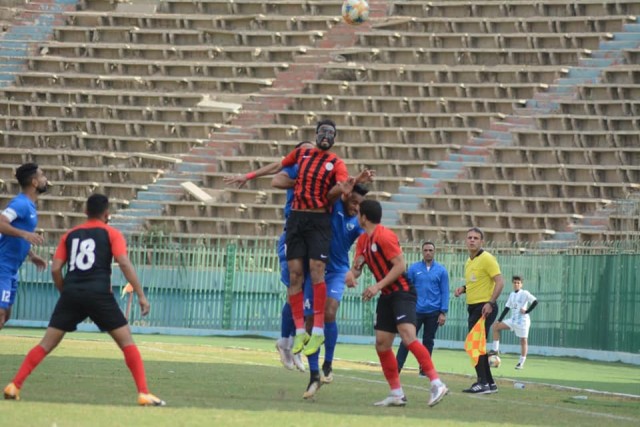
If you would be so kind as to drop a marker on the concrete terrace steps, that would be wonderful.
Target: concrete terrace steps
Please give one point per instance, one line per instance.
(610, 53)
(32, 24)
(254, 112)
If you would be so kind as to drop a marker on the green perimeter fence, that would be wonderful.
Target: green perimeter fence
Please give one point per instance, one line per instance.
(589, 296)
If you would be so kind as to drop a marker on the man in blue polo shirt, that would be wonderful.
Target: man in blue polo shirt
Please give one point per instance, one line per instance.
(431, 281)
(17, 225)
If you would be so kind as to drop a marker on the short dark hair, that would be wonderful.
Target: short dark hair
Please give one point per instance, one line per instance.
(516, 278)
(327, 122)
(25, 173)
(428, 242)
(97, 204)
(372, 210)
(360, 189)
(476, 230)
(301, 143)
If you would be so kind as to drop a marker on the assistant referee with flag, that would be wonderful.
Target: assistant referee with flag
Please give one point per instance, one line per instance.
(483, 286)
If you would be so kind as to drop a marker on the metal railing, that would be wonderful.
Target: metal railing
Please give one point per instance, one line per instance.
(588, 296)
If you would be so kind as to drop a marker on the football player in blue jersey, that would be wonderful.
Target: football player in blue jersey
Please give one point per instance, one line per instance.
(346, 230)
(17, 225)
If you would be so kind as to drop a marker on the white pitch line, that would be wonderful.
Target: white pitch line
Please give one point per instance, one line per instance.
(555, 386)
(518, 402)
(373, 381)
(204, 356)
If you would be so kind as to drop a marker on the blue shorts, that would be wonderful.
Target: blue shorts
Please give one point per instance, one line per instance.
(284, 276)
(8, 290)
(335, 284)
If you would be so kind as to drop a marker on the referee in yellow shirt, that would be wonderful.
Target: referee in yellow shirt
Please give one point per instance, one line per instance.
(483, 286)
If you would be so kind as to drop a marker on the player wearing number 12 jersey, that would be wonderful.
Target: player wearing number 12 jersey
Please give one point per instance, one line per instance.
(17, 225)
(85, 291)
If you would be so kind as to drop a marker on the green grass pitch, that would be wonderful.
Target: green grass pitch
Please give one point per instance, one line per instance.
(239, 382)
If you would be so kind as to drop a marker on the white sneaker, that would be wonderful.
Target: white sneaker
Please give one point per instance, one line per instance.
(312, 388)
(286, 357)
(299, 364)
(327, 374)
(392, 400)
(520, 366)
(437, 393)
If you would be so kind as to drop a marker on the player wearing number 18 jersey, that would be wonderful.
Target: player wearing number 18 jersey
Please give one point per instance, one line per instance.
(85, 291)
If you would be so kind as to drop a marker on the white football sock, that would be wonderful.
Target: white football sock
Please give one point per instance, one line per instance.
(397, 392)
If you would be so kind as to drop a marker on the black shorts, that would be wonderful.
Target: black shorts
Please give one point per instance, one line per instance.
(75, 305)
(308, 235)
(475, 313)
(393, 309)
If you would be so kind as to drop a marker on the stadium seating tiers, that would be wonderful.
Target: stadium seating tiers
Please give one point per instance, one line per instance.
(520, 117)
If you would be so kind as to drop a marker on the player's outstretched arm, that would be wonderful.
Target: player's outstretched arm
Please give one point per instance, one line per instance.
(241, 180)
(130, 274)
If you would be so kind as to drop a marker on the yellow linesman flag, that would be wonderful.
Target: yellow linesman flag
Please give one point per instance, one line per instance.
(476, 342)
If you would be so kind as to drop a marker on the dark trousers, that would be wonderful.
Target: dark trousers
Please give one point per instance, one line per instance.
(475, 313)
(430, 322)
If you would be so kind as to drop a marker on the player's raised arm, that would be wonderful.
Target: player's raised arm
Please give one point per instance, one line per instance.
(365, 177)
(344, 183)
(241, 180)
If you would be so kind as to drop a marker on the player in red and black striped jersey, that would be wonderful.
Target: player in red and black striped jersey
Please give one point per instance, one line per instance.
(379, 249)
(85, 291)
(320, 179)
